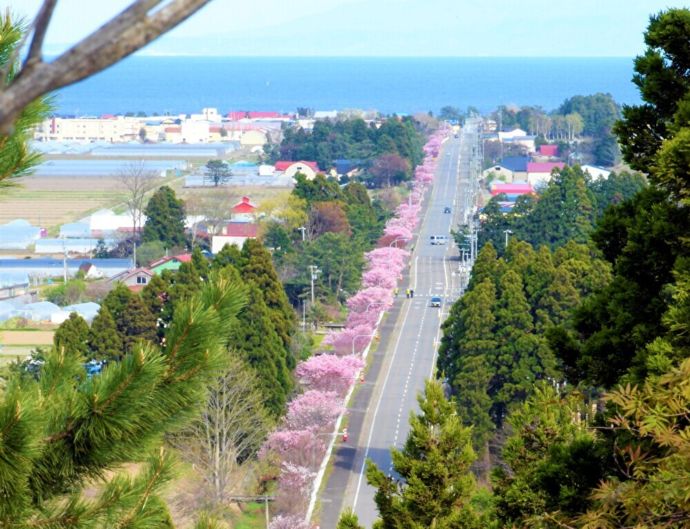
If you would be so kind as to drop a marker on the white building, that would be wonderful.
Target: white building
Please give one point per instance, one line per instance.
(89, 129)
(596, 173)
(515, 133)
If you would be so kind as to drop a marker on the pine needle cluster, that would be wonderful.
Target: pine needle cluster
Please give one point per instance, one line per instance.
(62, 432)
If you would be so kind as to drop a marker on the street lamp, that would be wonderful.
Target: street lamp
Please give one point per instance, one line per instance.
(354, 339)
(396, 240)
(373, 303)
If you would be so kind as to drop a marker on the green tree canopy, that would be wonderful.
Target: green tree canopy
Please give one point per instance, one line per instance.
(105, 343)
(136, 323)
(165, 219)
(72, 336)
(437, 483)
(662, 75)
(255, 339)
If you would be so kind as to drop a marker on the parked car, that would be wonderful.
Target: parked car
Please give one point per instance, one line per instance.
(435, 301)
(446, 209)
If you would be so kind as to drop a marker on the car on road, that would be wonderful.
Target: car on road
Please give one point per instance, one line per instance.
(435, 301)
(438, 239)
(446, 209)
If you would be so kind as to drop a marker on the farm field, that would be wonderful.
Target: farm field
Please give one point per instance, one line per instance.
(51, 201)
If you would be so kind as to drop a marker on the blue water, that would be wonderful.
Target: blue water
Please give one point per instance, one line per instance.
(402, 85)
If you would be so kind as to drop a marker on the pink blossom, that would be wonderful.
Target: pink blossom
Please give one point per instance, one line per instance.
(313, 410)
(380, 277)
(349, 339)
(329, 372)
(370, 297)
(289, 522)
(300, 447)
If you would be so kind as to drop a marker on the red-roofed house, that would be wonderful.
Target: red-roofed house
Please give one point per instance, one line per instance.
(511, 189)
(539, 173)
(308, 169)
(548, 150)
(244, 206)
(234, 233)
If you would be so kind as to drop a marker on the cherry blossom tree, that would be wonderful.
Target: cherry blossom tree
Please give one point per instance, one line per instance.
(294, 487)
(327, 377)
(313, 410)
(329, 372)
(289, 522)
(296, 446)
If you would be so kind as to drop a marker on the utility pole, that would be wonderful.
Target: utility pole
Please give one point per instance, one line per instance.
(314, 270)
(64, 262)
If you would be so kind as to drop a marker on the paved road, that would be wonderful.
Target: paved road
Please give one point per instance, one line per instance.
(406, 356)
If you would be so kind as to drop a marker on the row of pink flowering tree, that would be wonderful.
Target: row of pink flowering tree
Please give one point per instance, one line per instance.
(300, 444)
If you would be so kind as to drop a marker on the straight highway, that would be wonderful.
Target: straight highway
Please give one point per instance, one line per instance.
(409, 336)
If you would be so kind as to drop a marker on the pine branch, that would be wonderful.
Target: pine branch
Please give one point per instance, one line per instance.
(40, 29)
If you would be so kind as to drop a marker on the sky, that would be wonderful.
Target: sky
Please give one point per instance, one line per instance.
(465, 28)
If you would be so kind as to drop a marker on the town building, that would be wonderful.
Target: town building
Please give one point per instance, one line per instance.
(289, 168)
(595, 172)
(539, 173)
(234, 233)
(135, 279)
(172, 262)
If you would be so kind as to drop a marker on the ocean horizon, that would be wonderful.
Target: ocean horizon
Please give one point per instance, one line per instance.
(404, 85)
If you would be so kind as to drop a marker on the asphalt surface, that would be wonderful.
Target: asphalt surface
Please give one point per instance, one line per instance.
(406, 355)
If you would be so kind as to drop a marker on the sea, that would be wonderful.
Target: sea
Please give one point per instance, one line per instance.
(183, 84)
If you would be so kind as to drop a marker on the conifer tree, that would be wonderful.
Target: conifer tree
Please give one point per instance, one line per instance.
(565, 211)
(538, 276)
(436, 483)
(471, 386)
(485, 265)
(551, 460)
(560, 298)
(258, 268)
(256, 341)
(348, 520)
(72, 336)
(136, 323)
(105, 343)
(63, 433)
(116, 300)
(200, 263)
(230, 254)
(521, 357)
(165, 218)
(156, 296)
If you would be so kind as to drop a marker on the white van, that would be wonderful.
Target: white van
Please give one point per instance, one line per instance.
(439, 239)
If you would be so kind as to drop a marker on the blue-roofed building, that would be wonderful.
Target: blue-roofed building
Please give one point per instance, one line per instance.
(509, 169)
(517, 164)
(75, 230)
(345, 167)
